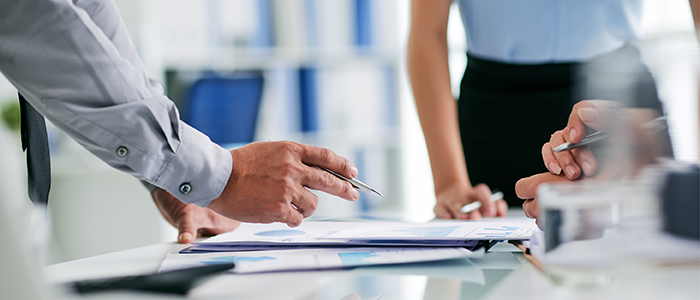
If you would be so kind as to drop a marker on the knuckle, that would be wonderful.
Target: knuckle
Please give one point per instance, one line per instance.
(289, 147)
(326, 179)
(313, 203)
(328, 155)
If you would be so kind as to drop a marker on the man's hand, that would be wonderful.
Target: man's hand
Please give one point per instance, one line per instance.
(450, 202)
(191, 220)
(269, 182)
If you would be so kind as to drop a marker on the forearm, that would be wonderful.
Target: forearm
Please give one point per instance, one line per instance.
(73, 74)
(695, 10)
(436, 106)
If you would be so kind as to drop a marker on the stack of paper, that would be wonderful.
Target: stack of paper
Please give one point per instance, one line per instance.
(330, 245)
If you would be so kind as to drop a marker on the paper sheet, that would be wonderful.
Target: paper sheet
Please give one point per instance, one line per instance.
(324, 231)
(293, 260)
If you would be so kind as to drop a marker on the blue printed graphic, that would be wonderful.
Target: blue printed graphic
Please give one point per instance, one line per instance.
(442, 231)
(357, 258)
(253, 259)
(504, 228)
(282, 232)
(236, 259)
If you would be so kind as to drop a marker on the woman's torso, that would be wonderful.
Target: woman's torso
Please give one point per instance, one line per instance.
(548, 31)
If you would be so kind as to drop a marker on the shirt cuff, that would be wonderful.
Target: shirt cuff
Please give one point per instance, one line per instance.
(199, 170)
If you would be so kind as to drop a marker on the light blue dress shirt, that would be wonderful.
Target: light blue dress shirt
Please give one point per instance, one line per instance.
(548, 31)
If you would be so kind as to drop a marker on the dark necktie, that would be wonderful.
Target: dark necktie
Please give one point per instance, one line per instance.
(36, 143)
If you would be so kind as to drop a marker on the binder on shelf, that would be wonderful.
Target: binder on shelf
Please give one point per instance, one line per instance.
(225, 108)
(308, 99)
(363, 25)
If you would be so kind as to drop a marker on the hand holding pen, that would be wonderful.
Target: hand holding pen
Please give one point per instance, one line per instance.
(558, 155)
(479, 199)
(566, 152)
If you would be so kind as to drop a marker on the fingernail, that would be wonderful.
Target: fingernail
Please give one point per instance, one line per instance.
(354, 171)
(587, 167)
(185, 236)
(570, 171)
(554, 168)
(588, 115)
(355, 194)
(572, 133)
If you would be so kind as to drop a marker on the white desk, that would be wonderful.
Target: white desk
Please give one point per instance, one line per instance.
(504, 276)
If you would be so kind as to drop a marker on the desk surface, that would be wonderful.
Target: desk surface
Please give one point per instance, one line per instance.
(501, 274)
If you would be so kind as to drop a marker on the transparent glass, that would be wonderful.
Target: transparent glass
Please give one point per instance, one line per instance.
(588, 227)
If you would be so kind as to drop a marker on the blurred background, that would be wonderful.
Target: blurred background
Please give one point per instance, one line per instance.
(329, 73)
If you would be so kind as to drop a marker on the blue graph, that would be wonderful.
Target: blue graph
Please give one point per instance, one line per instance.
(236, 259)
(501, 232)
(441, 231)
(253, 259)
(504, 228)
(282, 232)
(356, 258)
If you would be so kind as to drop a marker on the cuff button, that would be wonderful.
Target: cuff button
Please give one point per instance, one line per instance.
(185, 188)
(122, 151)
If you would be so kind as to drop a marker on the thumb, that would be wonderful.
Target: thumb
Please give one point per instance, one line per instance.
(187, 230)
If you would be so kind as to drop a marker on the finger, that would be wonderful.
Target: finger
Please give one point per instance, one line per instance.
(550, 160)
(455, 210)
(501, 208)
(187, 229)
(530, 208)
(482, 193)
(292, 217)
(571, 168)
(602, 115)
(441, 211)
(575, 129)
(325, 158)
(306, 204)
(563, 159)
(585, 158)
(526, 188)
(473, 215)
(317, 179)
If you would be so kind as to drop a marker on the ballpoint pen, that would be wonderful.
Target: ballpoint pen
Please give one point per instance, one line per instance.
(496, 195)
(589, 139)
(657, 124)
(355, 183)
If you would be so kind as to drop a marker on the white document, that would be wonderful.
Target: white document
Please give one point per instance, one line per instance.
(327, 231)
(308, 259)
(437, 231)
(309, 231)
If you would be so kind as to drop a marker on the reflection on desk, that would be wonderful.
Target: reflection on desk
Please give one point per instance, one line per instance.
(416, 281)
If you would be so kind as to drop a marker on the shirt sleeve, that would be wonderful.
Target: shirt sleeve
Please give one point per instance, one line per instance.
(74, 75)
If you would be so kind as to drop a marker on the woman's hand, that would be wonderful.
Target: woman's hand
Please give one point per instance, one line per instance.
(451, 200)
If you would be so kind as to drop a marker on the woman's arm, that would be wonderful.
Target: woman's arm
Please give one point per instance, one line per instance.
(437, 111)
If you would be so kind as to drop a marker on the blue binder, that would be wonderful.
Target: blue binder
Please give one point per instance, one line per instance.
(225, 108)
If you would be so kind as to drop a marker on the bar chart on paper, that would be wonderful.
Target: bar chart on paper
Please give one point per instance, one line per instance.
(438, 231)
(269, 261)
(498, 232)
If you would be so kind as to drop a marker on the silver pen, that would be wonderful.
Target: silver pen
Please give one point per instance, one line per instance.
(657, 124)
(355, 183)
(589, 139)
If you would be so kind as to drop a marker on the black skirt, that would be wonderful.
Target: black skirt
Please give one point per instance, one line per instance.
(508, 111)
